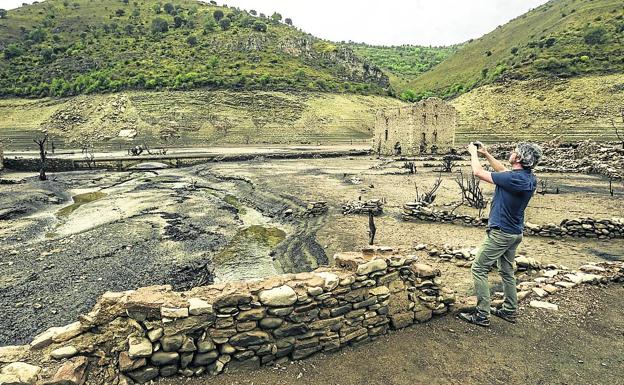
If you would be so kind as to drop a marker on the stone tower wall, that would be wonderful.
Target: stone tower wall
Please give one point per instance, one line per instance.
(432, 122)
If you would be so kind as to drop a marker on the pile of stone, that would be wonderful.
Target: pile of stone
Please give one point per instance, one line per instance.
(426, 212)
(315, 209)
(363, 207)
(580, 228)
(139, 335)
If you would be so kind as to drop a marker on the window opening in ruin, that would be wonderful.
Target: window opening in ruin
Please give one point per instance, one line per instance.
(386, 134)
(435, 136)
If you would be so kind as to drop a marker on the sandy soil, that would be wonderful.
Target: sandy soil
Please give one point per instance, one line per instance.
(578, 345)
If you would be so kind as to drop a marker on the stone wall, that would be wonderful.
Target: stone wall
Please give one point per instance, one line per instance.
(428, 123)
(580, 227)
(152, 332)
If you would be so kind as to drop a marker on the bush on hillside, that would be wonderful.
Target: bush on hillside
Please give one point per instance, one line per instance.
(225, 23)
(159, 25)
(259, 26)
(596, 35)
(218, 15)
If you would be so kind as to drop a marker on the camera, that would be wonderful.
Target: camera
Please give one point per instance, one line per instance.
(477, 144)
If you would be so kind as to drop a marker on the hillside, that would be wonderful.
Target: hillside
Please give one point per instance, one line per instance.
(572, 109)
(403, 63)
(190, 118)
(562, 38)
(61, 48)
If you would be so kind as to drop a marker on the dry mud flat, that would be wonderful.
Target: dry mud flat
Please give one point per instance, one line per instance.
(228, 221)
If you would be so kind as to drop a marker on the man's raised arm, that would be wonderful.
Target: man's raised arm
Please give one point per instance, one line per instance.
(495, 163)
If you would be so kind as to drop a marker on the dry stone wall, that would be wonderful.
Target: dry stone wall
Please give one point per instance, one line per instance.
(579, 227)
(152, 332)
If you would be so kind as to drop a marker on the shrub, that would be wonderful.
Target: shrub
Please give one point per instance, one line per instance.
(288, 21)
(192, 41)
(218, 15)
(253, 12)
(210, 26)
(3, 13)
(120, 12)
(169, 8)
(488, 53)
(259, 26)
(225, 24)
(276, 17)
(159, 25)
(12, 50)
(514, 50)
(596, 35)
(177, 21)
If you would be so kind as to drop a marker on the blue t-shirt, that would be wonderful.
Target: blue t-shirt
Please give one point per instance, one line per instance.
(513, 191)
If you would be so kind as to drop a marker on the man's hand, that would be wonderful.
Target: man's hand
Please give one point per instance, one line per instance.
(481, 149)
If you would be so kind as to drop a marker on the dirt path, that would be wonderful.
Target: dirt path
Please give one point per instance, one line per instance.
(582, 343)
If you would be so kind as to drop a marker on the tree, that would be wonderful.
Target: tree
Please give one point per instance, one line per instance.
(120, 12)
(276, 17)
(159, 25)
(218, 15)
(259, 26)
(3, 13)
(253, 12)
(169, 8)
(225, 24)
(288, 21)
(42, 156)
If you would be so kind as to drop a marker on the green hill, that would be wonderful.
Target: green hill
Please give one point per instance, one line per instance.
(560, 39)
(61, 48)
(405, 62)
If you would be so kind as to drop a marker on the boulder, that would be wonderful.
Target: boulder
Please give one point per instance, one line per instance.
(279, 296)
(423, 270)
(72, 372)
(23, 372)
(371, 266)
(64, 352)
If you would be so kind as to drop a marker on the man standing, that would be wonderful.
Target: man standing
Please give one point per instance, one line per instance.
(514, 189)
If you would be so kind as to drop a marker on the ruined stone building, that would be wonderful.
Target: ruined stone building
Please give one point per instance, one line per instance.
(425, 127)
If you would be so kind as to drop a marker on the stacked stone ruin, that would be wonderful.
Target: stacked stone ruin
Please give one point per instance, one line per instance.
(152, 332)
(580, 227)
(315, 209)
(363, 207)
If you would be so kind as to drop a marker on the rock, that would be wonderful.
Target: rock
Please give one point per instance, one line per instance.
(127, 364)
(155, 334)
(250, 338)
(271, 323)
(550, 273)
(422, 270)
(73, 372)
(379, 290)
(564, 284)
(144, 375)
(23, 372)
(139, 347)
(551, 289)
(56, 334)
(331, 280)
(13, 353)
(544, 305)
(251, 315)
(174, 312)
(279, 296)
(371, 266)
(540, 292)
(64, 352)
(202, 359)
(199, 306)
(401, 320)
(165, 358)
(206, 345)
(172, 343)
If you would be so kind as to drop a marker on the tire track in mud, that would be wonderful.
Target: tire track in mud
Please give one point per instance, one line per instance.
(300, 251)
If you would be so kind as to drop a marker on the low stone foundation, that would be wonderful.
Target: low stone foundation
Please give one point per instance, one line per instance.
(139, 335)
(580, 227)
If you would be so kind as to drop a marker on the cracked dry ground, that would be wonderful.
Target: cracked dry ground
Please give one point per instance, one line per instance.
(173, 228)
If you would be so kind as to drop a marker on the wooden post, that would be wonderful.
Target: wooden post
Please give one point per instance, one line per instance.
(372, 230)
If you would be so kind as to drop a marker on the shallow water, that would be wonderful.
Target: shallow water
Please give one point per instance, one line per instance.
(79, 200)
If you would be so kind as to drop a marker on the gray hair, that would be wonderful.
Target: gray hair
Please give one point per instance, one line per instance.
(529, 154)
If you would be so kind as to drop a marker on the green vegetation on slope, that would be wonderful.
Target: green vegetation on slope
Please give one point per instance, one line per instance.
(562, 38)
(60, 48)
